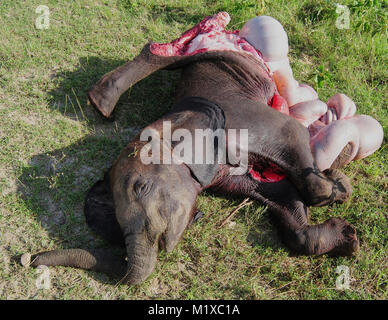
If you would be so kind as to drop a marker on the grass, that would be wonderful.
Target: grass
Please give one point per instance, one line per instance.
(54, 146)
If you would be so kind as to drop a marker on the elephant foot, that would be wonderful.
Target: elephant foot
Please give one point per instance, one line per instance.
(347, 244)
(342, 188)
(334, 237)
(324, 188)
(102, 99)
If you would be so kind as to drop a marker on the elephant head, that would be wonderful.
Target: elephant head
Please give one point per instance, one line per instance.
(154, 203)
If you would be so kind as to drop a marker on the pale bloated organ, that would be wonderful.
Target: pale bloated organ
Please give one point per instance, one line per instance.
(333, 125)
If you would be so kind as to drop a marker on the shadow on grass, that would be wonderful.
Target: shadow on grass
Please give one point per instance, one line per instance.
(262, 232)
(142, 104)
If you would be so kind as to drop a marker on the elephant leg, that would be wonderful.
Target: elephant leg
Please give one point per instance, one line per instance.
(107, 91)
(334, 237)
(317, 188)
(280, 139)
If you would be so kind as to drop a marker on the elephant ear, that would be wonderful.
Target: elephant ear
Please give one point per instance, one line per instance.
(201, 114)
(100, 212)
(191, 113)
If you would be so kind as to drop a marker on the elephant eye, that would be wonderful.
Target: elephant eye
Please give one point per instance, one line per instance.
(142, 188)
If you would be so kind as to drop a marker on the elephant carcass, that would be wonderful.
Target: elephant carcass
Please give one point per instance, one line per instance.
(147, 207)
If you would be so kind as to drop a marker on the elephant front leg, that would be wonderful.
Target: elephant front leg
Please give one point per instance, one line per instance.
(317, 188)
(280, 139)
(334, 237)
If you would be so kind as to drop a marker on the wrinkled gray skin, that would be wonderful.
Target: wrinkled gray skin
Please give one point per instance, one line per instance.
(148, 207)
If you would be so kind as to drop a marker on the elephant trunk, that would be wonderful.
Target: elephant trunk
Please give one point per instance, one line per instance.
(142, 255)
(100, 260)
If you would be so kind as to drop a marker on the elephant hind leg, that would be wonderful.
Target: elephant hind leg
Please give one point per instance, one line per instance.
(334, 237)
(100, 213)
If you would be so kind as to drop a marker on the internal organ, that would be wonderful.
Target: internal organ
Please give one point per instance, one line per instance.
(332, 126)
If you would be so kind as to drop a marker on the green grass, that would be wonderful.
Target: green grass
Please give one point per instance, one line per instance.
(54, 146)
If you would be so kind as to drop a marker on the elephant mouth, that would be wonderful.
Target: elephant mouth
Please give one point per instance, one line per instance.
(161, 243)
